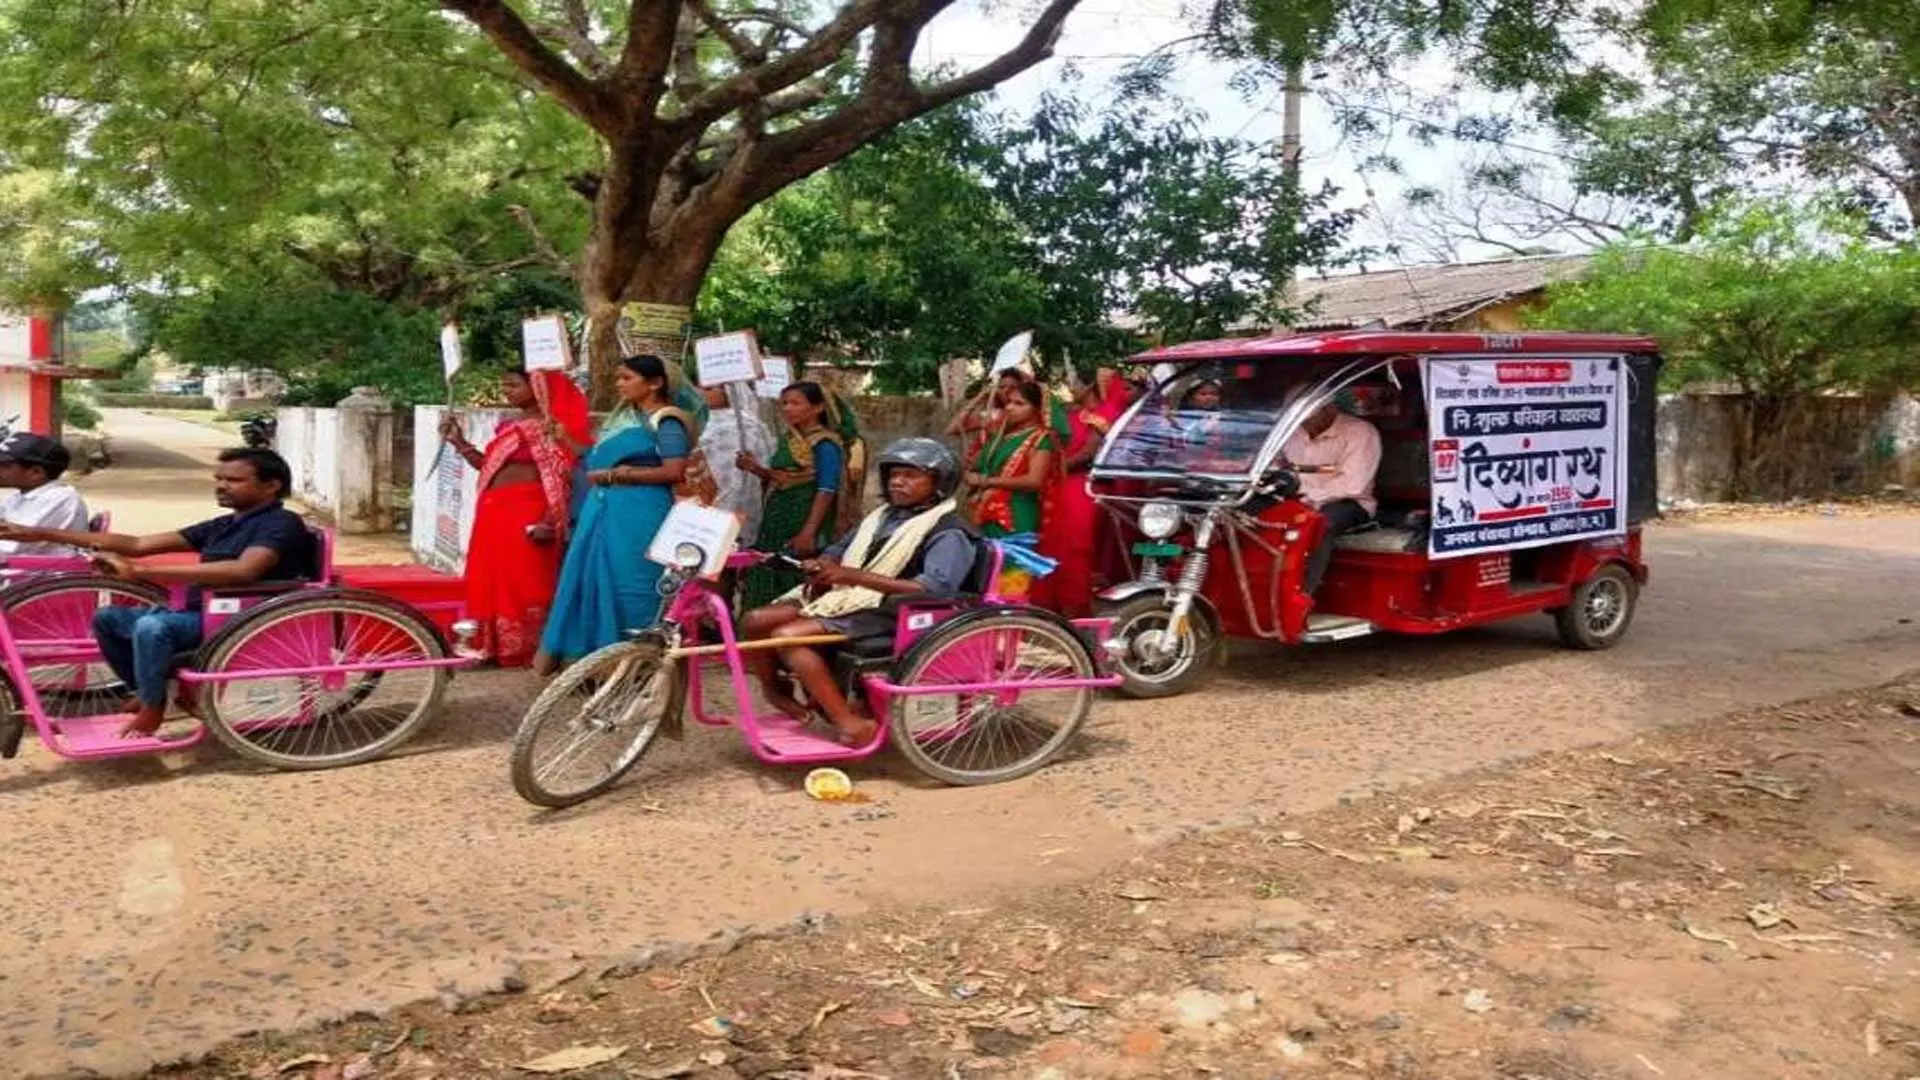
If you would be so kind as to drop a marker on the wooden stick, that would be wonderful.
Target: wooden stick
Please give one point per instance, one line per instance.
(760, 645)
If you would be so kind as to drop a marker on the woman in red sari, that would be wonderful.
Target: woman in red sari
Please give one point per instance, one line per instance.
(520, 522)
(1074, 523)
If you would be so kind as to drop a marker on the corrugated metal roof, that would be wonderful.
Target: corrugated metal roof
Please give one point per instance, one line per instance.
(1423, 296)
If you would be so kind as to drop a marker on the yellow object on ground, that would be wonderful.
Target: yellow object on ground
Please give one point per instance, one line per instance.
(829, 785)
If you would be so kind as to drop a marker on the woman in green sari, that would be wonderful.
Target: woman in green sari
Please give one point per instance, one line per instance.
(1010, 473)
(804, 480)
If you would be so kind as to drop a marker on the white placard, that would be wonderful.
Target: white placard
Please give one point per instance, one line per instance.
(1525, 452)
(953, 381)
(1013, 353)
(727, 358)
(776, 375)
(710, 528)
(450, 349)
(544, 343)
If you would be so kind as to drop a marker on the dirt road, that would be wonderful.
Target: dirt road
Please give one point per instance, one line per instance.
(1737, 897)
(175, 903)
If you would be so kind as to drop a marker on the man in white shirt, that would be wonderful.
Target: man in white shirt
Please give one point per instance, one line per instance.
(32, 465)
(1337, 456)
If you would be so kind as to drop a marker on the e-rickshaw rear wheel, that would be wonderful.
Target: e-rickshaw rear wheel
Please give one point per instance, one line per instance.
(1600, 611)
(1142, 623)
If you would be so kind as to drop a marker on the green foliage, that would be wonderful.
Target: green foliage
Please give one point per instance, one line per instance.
(174, 145)
(78, 414)
(1775, 299)
(952, 234)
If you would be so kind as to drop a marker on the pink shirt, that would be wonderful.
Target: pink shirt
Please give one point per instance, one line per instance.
(1349, 444)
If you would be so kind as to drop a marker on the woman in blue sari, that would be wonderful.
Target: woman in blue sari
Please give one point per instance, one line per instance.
(607, 583)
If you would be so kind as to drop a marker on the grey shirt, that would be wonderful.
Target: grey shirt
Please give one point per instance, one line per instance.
(944, 565)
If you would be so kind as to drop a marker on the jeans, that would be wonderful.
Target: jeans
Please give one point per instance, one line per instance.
(139, 645)
(1343, 516)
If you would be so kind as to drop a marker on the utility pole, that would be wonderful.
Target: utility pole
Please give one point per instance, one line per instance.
(1292, 94)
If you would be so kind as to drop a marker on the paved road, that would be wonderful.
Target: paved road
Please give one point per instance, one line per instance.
(162, 905)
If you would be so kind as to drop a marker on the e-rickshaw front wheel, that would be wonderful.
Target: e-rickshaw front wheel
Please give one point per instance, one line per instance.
(1155, 665)
(1601, 610)
(594, 721)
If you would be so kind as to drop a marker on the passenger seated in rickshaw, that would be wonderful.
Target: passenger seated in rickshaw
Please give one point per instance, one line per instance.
(916, 545)
(1337, 455)
(260, 541)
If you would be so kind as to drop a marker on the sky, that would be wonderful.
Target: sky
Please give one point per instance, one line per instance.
(1103, 36)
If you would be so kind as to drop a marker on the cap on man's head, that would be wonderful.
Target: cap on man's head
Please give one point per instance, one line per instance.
(28, 448)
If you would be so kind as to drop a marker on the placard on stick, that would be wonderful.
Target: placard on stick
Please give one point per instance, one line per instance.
(727, 358)
(450, 358)
(1013, 353)
(544, 343)
(713, 530)
(776, 375)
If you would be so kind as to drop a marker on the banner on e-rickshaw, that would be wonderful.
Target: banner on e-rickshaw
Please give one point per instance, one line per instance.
(1525, 452)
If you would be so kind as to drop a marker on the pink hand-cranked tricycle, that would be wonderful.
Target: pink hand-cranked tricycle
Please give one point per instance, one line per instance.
(972, 690)
(294, 675)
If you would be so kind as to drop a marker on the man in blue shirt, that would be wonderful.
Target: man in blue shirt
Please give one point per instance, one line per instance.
(260, 541)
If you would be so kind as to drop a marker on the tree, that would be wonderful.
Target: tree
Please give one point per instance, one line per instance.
(961, 229)
(381, 147)
(1783, 302)
(1752, 96)
(706, 109)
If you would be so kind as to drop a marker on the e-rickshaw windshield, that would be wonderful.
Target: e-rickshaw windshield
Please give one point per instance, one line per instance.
(1226, 420)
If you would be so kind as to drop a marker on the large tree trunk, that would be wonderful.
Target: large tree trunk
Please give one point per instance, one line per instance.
(641, 253)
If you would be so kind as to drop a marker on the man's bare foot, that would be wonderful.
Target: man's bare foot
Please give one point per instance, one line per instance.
(144, 724)
(855, 730)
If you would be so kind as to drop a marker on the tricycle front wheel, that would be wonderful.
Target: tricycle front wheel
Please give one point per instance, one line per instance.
(1148, 668)
(594, 722)
(1601, 610)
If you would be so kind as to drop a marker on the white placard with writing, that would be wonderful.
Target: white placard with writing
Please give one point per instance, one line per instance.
(544, 343)
(776, 375)
(1525, 452)
(450, 349)
(1013, 353)
(713, 530)
(727, 358)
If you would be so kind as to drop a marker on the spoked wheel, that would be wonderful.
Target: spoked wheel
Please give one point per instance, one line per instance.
(984, 737)
(594, 721)
(52, 620)
(1601, 610)
(281, 716)
(1155, 663)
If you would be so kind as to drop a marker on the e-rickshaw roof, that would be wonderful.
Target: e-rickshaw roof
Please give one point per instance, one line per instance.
(1310, 346)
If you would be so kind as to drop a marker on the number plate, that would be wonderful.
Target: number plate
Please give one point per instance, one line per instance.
(1164, 551)
(931, 712)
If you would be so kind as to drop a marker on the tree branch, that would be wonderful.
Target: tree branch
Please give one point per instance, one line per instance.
(888, 98)
(511, 34)
(576, 34)
(818, 52)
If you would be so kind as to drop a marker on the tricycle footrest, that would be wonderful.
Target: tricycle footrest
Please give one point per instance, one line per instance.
(790, 742)
(99, 737)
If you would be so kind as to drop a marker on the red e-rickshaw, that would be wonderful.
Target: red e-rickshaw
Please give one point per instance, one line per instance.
(1514, 474)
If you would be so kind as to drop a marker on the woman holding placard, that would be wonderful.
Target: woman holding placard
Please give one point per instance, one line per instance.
(520, 523)
(804, 479)
(607, 586)
(1010, 473)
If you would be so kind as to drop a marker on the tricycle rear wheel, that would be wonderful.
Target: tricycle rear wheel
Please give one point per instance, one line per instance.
(1600, 611)
(1193, 663)
(603, 712)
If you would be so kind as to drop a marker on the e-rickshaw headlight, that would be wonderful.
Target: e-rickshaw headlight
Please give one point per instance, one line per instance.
(1159, 520)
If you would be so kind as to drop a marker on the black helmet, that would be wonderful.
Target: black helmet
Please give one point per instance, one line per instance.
(927, 455)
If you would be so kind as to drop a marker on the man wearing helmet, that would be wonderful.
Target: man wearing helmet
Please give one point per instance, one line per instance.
(916, 544)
